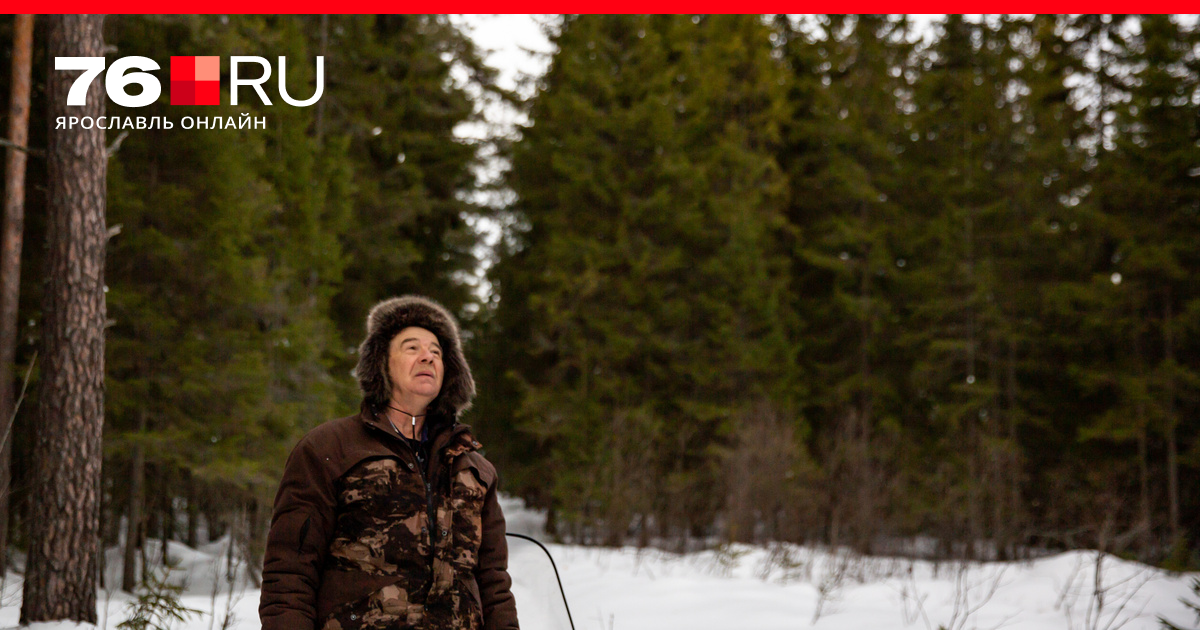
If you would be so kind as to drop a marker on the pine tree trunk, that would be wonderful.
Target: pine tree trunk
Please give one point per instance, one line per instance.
(974, 442)
(102, 529)
(1144, 507)
(1013, 473)
(255, 542)
(10, 257)
(168, 515)
(60, 582)
(193, 512)
(133, 526)
(996, 530)
(1172, 446)
(867, 526)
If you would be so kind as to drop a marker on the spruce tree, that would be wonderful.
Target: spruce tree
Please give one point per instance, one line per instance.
(842, 153)
(1151, 209)
(646, 294)
(960, 321)
(222, 271)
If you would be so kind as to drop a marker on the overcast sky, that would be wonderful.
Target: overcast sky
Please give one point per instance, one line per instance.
(515, 44)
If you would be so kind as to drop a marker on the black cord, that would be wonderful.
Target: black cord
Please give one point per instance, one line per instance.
(560, 586)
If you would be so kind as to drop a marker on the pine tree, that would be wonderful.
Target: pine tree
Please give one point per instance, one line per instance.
(961, 318)
(1047, 239)
(222, 274)
(60, 579)
(10, 265)
(391, 95)
(646, 294)
(1151, 210)
(842, 155)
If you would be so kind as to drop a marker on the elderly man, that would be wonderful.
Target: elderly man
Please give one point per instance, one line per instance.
(389, 518)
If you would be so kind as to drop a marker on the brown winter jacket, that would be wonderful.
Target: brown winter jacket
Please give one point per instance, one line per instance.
(362, 538)
(351, 543)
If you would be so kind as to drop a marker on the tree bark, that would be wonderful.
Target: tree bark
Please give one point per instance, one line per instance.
(193, 511)
(168, 514)
(60, 581)
(10, 256)
(867, 526)
(1172, 421)
(133, 526)
(1144, 508)
(1013, 474)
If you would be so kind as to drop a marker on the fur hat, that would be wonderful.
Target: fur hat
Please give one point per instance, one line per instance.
(385, 321)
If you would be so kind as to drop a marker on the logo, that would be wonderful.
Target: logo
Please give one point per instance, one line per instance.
(195, 80)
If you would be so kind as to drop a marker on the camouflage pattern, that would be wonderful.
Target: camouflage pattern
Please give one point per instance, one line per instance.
(383, 529)
(384, 609)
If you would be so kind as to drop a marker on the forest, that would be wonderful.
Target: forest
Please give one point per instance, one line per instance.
(822, 279)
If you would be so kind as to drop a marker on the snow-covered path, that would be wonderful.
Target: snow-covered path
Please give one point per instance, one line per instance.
(744, 587)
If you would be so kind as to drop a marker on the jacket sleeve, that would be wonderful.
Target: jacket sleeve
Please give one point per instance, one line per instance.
(499, 606)
(301, 526)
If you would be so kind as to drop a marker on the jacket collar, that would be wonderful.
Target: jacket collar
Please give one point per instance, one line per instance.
(445, 433)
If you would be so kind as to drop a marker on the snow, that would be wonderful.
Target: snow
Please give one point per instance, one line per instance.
(737, 586)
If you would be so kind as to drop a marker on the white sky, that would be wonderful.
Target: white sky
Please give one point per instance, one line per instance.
(514, 44)
(517, 46)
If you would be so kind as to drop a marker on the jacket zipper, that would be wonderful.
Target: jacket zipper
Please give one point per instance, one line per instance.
(425, 480)
(429, 509)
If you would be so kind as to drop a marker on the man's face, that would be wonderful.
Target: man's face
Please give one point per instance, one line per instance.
(415, 364)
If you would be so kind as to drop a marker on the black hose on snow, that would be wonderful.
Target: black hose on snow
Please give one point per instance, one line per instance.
(556, 576)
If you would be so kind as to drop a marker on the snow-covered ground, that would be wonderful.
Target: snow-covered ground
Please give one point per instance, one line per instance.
(738, 587)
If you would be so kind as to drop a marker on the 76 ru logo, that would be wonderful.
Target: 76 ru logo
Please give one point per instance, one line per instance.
(194, 80)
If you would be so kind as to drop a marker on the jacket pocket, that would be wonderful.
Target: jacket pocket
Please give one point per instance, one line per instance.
(352, 599)
(473, 586)
(467, 492)
(470, 608)
(369, 482)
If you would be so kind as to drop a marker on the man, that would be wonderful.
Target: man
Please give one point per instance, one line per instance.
(389, 518)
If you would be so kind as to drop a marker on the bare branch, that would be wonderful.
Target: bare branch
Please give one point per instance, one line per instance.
(116, 145)
(4, 142)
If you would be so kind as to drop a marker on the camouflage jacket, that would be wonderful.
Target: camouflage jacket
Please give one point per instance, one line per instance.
(362, 538)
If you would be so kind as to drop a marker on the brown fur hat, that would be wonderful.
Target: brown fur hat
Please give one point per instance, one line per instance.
(385, 321)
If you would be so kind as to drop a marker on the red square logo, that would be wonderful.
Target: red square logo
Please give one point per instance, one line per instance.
(183, 92)
(208, 92)
(183, 68)
(195, 80)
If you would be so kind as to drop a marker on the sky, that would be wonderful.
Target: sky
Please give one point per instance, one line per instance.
(518, 48)
(516, 45)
